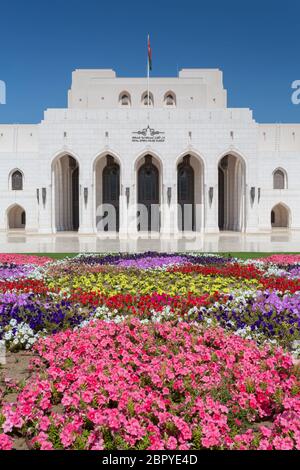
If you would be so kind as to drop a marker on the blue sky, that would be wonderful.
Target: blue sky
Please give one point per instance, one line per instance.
(255, 43)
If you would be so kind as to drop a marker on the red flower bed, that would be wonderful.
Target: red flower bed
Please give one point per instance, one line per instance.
(281, 283)
(139, 305)
(230, 270)
(25, 285)
(243, 272)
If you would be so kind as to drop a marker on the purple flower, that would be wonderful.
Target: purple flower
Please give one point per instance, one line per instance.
(152, 262)
(13, 271)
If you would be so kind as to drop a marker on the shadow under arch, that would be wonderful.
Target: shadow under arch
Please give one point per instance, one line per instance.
(231, 192)
(170, 99)
(65, 170)
(280, 216)
(107, 191)
(16, 217)
(149, 171)
(190, 191)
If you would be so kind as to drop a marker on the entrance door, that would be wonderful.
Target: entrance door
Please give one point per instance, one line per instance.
(66, 184)
(75, 198)
(111, 188)
(221, 197)
(231, 179)
(148, 195)
(186, 195)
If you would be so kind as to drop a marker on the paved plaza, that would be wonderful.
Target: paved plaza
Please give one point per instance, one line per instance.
(72, 242)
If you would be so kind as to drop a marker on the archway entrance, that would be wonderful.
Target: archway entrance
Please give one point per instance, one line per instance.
(280, 216)
(66, 186)
(16, 218)
(107, 182)
(148, 196)
(231, 184)
(186, 195)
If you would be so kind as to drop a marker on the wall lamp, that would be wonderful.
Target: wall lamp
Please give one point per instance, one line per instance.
(211, 195)
(127, 192)
(86, 195)
(252, 194)
(44, 196)
(169, 195)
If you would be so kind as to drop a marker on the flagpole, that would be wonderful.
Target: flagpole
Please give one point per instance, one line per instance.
(148, 73)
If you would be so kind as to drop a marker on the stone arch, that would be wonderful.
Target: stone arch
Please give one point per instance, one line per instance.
(170, 99)
(125, 99)
(139, 159)
(190, 194)
(231, 192)
(147, 101)
(16, 217)
(107, 191)
(65, 183)
(280, 216)
(149, 170)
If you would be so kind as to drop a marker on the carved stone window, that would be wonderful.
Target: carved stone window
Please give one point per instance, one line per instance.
(17, 181)
(125, 100)
(279, 179)
(147, 101)
(170, 100)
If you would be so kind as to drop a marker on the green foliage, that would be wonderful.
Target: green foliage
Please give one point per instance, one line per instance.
(131, 408)
(53, 433)
(197, 438)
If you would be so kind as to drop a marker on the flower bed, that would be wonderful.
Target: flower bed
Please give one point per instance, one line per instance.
(24, 259)
(263, 316)
(151, 287)
(24, 285)
(282, 259)
(161, 387)
(26, 316)
(152, 351)
(142, 305)
(113, 281)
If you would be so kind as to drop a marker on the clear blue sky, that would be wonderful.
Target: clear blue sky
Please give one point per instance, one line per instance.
(255, 43)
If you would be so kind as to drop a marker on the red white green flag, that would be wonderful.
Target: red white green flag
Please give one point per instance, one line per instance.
(149, 54)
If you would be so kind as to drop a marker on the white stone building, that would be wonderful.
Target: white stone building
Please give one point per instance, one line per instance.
(181, 145)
